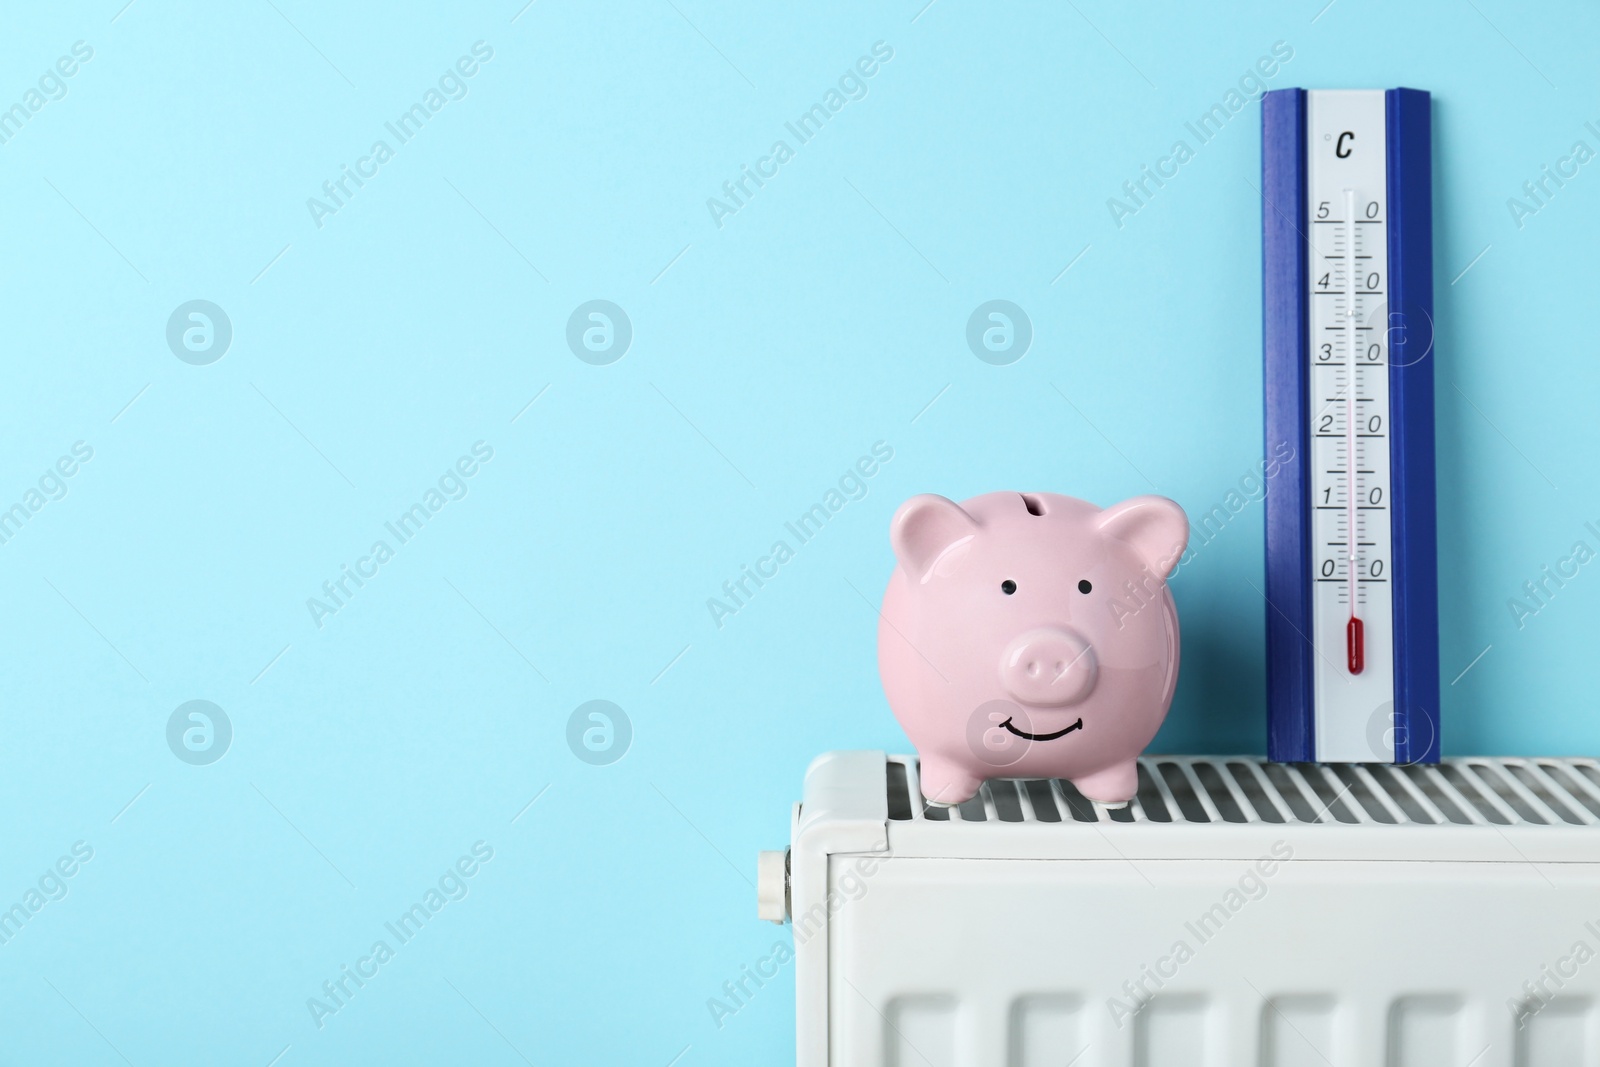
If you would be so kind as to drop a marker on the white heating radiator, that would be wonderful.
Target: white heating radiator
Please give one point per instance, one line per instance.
(1236, 913)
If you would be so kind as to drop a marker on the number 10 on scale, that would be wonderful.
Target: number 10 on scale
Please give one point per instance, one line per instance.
(1352, 625)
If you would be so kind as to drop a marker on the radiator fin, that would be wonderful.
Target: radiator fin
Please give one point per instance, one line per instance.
(1560, 1033)
(1359, 787)
(1573, 786)
(1297, 1031)
(1046, 1031)
(1171, 1031)
(1426, 1031)
(921, 1032)
(1243, 789)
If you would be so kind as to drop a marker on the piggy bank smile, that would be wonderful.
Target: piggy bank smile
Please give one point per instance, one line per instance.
(1009, 728)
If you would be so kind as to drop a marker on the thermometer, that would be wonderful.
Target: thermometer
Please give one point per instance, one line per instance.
(1352, 586)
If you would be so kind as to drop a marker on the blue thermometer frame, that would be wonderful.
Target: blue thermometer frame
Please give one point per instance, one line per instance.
(1292, 659)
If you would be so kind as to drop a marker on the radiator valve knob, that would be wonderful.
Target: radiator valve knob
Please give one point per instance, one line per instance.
(772, 886)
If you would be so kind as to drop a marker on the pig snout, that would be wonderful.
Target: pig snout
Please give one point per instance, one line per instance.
(1050, 667)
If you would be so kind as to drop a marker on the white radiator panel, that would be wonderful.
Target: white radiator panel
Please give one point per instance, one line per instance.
(1051, 948)
(1237, 915)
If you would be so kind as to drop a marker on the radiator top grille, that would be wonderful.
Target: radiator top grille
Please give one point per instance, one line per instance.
(1245, 789)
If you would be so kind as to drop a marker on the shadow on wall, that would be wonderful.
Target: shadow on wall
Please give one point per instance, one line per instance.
(1220, 705)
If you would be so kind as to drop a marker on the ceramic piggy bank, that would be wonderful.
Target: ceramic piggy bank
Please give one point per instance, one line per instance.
(1031, 635)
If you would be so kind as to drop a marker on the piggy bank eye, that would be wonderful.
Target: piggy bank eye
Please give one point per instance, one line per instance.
(1084, 586)
(1008, 587)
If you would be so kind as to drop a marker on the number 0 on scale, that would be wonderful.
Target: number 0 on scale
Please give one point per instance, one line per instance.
(1352, 587)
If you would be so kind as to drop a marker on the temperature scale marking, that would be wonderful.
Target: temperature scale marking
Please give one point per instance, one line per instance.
(1351, 580)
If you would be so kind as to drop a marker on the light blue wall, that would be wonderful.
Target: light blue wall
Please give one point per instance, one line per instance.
(768, 354)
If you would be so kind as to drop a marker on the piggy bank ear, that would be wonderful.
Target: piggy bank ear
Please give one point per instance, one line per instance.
(1155, 527)
(925, 527)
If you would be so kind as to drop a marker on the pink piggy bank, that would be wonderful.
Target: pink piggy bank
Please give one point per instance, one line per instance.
(1031, 635)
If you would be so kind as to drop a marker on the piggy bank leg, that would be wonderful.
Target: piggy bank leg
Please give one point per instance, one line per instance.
(1114, 785)
(946, 784)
